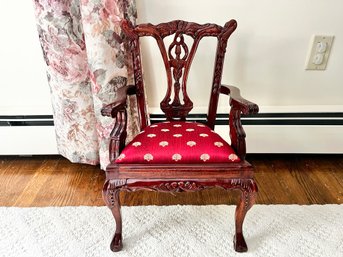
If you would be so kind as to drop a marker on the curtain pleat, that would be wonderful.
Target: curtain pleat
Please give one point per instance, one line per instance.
(86, 64)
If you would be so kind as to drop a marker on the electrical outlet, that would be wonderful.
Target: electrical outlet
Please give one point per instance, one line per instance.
(319, 52)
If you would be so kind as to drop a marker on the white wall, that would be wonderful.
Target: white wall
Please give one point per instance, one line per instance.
(23, 85)
(266, 60)
(267, 53)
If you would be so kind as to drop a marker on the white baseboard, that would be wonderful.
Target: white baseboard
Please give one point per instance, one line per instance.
(27, 140)
(40, 140)
(291, 139)
(321, 133)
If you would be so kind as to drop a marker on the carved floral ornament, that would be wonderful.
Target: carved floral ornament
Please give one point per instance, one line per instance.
(246, 185)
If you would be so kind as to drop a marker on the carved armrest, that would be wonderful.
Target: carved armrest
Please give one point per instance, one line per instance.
(238, 105)
(237, 101)
(112, 109)
(119, 104)
(117, 110)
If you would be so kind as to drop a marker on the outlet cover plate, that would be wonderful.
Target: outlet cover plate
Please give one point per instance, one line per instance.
(310, 63)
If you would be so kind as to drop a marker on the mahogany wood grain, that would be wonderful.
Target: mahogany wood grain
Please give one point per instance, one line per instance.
(239, 106)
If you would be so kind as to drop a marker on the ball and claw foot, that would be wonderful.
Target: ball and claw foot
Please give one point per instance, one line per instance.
(239, 243)
(117, 243)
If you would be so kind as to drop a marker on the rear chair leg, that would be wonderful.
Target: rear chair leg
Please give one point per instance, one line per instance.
(247, 200)
(111, 192)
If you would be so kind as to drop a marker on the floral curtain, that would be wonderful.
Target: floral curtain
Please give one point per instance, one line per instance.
(85, 65)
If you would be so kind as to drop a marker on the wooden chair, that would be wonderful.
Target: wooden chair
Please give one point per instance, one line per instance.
(177, 155)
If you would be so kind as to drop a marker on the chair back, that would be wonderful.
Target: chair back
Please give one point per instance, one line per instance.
(177, 59)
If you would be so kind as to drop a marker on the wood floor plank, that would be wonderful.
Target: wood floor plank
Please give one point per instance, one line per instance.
(329, 172)
(35, 183)
(282, 179)
(72, 184)
(14, 179)
(276, 182)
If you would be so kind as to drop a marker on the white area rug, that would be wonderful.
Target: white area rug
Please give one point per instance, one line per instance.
(276, 230)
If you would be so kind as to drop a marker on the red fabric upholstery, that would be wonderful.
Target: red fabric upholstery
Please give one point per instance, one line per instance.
(177, 142)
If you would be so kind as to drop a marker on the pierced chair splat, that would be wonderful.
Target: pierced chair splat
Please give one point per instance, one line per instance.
(177, 155)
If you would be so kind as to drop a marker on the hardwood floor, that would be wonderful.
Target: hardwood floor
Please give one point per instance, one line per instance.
(282, 179)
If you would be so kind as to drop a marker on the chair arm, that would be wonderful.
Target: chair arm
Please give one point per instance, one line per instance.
(238, 105)
(119, 104)
(117, 110)
(112, 109)
(236, 100)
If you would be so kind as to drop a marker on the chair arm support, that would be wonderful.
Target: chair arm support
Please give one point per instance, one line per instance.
(238, 105)
(117, 110)
(236, 100)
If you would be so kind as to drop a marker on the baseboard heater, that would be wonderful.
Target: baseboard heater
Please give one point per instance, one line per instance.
(266, 132)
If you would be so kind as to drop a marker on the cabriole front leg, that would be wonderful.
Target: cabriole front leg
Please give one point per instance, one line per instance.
(111, 192)
(248, 190)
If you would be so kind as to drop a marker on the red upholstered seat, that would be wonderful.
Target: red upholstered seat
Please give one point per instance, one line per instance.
(177, 142)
